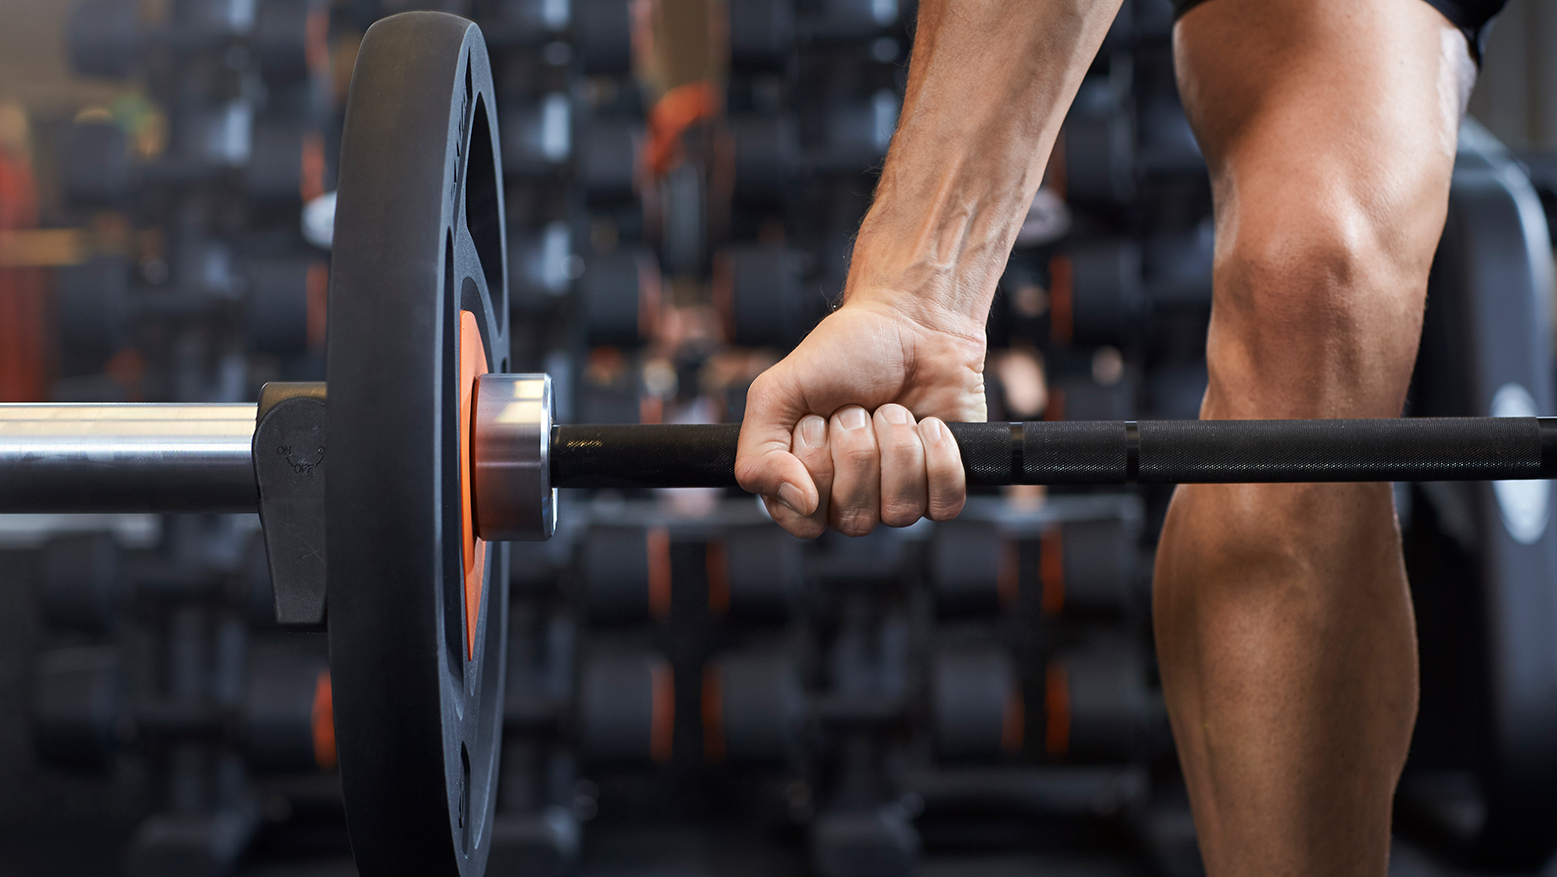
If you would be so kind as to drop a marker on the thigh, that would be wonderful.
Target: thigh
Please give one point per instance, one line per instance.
(1329, 127)
(1348, 83)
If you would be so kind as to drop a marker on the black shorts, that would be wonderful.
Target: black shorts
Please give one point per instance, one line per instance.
(1470, 16)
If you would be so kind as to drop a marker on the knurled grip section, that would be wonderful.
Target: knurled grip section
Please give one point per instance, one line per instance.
(630, 456)
(1043, 453)
(1251, 451)
(1114, 452)
(1405, 449)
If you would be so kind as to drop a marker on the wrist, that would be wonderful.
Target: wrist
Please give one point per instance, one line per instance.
(924, 311)
(950, 296)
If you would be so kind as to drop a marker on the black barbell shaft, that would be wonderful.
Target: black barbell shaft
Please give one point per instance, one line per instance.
(1113, 452)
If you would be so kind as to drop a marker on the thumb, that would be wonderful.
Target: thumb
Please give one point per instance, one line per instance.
(763, 462)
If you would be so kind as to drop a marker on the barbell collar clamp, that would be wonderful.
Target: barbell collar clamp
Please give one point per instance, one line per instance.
(510, 448)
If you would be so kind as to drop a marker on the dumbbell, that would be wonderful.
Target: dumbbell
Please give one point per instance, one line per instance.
(1104, 291)
(754, 574)
(1083, 398)
(602, 34)
(97, 305)
(976, 705)
(619, 297)
(208, 140)
(95, 167)
(283, 159)
(286, 168)
(623, 712)
(851, 19)
(1086, 566)
(762, 296)
(543, 267)
(87, 581)
(107, 37)
(84, 715)
(538, 137)
(768, 157)
(627, 708)
(290, 41)
(625, 573)
(855, 133)
(1104, 165)
(764, 34)
(606, 158)
(1097, 706)
(418, 315)
(285, 304)
(756, 709)
(1098, 148)
(528, 22)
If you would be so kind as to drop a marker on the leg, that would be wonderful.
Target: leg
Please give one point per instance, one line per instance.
(1284, 626)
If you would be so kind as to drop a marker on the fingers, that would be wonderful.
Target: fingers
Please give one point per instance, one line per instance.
(947, 484)
(763, 462)
(855, 504)
(903, 478)
(867, 470)
(809, 445)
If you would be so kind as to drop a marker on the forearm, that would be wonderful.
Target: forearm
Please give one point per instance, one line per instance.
(989, 83)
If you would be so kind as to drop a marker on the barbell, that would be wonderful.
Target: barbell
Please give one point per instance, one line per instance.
(436, 456)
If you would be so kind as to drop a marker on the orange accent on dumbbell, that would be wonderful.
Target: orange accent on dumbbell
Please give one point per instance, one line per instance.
(317, 290)
(1013, 721)
(1056, 701)
(663, 723)
(1051, 569)
(1060, 318)
(322, 720)
(658, 545)
(1008, 578)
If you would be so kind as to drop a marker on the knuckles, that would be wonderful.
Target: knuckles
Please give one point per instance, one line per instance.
(900, 516)
(854, 523)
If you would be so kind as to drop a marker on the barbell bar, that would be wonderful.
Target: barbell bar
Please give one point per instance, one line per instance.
(162, 457)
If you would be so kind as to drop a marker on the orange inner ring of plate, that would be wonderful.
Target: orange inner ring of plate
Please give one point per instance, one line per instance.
(473, 364)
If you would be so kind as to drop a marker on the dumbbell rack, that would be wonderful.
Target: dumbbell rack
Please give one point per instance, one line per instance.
(678, 663)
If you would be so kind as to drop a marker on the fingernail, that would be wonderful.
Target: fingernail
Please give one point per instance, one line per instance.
(852, 417)
(934, 431)
(813, 431)
(792, 498)
(895, 414)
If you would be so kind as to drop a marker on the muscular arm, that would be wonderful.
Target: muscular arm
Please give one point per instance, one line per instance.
(988, 87)
(989, 84)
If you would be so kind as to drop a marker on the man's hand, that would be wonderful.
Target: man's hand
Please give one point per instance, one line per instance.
(831, 438)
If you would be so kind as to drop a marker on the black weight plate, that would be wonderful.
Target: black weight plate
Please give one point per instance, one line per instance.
(419, 237)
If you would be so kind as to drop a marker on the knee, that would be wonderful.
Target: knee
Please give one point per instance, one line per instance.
(1316, 292)
(1316, 266)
